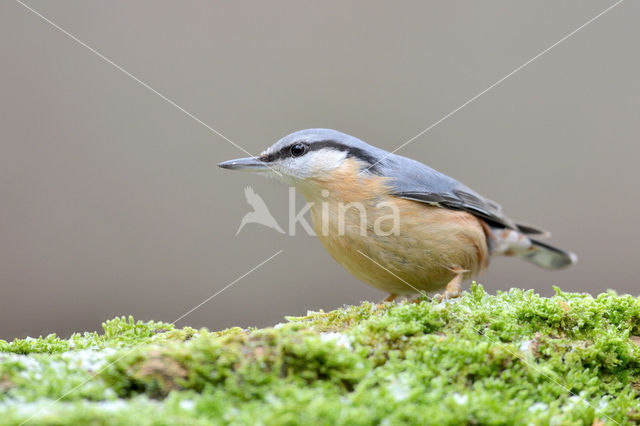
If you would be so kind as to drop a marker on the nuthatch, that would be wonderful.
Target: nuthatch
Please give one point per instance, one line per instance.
(445, 232)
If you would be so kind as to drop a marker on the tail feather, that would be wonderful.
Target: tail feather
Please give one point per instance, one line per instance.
(547, 256)
(527, 229)
(511, 242)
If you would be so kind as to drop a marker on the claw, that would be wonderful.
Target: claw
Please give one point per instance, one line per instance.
(452, 290)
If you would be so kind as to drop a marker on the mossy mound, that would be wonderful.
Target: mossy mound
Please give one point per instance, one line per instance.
(513, 358)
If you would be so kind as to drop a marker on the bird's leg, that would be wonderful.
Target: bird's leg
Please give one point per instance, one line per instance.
(452, 290)
(390, 298)
(453, 287)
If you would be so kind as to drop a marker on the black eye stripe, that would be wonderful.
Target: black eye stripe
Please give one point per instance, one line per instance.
(358, 153)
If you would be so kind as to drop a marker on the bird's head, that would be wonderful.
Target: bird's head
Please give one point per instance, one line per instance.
(311, 155)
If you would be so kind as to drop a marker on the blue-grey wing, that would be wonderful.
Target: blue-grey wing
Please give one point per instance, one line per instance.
(415, 181)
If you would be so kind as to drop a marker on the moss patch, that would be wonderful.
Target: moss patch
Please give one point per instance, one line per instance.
(511, 358)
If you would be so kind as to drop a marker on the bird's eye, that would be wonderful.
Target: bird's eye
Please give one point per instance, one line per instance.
(298, 149)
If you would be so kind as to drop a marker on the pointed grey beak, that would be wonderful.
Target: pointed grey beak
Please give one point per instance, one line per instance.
(249, 164)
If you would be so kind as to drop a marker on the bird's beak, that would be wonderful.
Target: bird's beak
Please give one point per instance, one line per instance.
(250, 164)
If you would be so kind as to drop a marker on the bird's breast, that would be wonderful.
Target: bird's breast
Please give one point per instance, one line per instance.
(394, 244)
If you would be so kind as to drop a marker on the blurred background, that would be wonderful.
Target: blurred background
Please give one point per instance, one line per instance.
(111, 202)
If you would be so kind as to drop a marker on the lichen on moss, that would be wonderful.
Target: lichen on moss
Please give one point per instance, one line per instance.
(515, 357)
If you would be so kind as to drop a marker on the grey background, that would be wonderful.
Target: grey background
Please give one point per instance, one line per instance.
(111, 203)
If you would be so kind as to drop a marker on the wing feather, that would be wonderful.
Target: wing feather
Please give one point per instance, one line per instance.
(415, 181)
(485, 211)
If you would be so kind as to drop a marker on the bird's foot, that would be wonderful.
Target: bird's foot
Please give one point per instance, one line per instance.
(446, 296)
(452, 290)
(390, 298)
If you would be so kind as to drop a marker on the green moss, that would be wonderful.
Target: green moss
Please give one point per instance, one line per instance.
(511, 358)
(118, 333)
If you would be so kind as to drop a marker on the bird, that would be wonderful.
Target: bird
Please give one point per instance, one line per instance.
(260, 213)
(394, 222)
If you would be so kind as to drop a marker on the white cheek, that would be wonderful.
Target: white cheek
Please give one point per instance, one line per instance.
(315, 163)
(324, 161)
